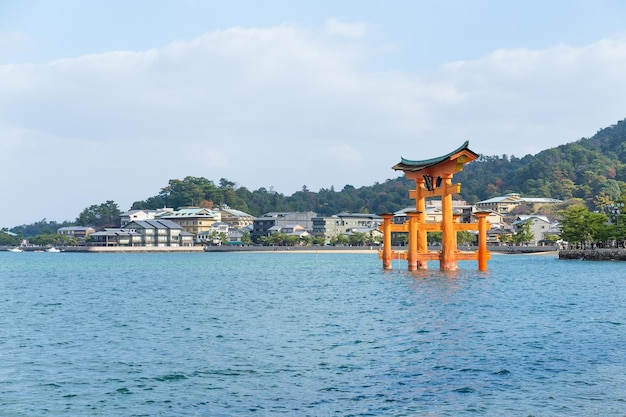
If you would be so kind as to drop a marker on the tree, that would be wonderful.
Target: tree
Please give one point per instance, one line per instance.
(523, 234)
(339, 240)
(245, 238)
(7, 239)
(433, 237)
(53, 239)
(356, 239)
(581, 226)
(100, 216)
(464, 238)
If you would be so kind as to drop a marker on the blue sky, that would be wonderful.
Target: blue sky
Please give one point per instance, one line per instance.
(108, 100)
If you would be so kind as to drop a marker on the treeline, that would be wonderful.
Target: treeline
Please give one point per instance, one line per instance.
(201, 192)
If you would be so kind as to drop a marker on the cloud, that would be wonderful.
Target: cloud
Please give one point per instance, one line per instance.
(283, 106)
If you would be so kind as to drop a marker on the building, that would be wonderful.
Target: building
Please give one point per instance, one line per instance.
(78, 232)
(344, 224)
(133, 215)
(194, 220)
(237, 219)
(150, 233)
(115, 237)
(433, 214)
(507, 203)
(292, 230)
(494, 219)
(262, 226)
(496, 235)
(214, 235)
(540, 226)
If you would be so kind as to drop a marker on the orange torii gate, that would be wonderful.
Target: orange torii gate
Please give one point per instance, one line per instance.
(433, 178)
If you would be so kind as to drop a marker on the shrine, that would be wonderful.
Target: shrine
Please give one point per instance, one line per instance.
(433, 178)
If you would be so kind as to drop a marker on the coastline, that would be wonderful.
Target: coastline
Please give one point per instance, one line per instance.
(495, 250)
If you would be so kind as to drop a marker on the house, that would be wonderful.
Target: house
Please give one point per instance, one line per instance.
(507, 203)
(540, 227)
(344, 223)
(494, 218)
(235, 237)
(151, 233)
(237, 219)
(194, 220)
(78, 232)
(115, 237)
(213, 235)
(133, 215)
(495, 235)
(433, 214)
(374, 233)
(293, 230)
(262, 226)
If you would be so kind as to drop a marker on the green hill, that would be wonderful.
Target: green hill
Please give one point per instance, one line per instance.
(590, 168)
(587, 169)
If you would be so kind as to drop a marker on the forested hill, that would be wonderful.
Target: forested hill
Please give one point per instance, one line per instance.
(587, 169)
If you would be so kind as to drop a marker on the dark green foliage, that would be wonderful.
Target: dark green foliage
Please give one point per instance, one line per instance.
(523, 234)
(581, 226)
(100, 216)
(390, 196)
(40, 227)
(52, 239)
(7, 239)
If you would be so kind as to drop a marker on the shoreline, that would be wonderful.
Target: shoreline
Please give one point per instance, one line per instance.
(495, 250)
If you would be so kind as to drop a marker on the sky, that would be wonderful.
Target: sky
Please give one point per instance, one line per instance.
(110, 99)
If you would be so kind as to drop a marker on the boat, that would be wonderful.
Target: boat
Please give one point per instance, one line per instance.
(53, 249)
(15, 250)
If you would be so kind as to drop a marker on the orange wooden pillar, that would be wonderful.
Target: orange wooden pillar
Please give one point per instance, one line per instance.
(483, 254)
(413, 240)
(420, 206)
(387, 254)
(447, 260)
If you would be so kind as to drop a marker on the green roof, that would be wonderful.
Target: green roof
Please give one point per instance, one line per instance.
(411, 165)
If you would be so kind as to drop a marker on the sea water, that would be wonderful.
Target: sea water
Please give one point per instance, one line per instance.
(328, 334)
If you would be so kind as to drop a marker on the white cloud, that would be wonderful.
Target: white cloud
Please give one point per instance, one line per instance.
(262, 107)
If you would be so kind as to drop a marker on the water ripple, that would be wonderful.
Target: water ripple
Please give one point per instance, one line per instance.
(306, 335)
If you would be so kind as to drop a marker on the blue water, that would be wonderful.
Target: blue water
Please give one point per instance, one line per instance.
(233, 334)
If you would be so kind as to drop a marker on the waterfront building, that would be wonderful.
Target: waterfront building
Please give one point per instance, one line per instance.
(262, 226)
(345, 223)
(78, 232)
(133, 215)
(237, 219)
(194, 220)
(213, 235)
(149, 233)
(540, 226)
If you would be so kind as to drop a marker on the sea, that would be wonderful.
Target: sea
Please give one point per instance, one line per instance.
(309, 334)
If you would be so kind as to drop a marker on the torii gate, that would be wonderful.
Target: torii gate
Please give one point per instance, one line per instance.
(433, 178)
